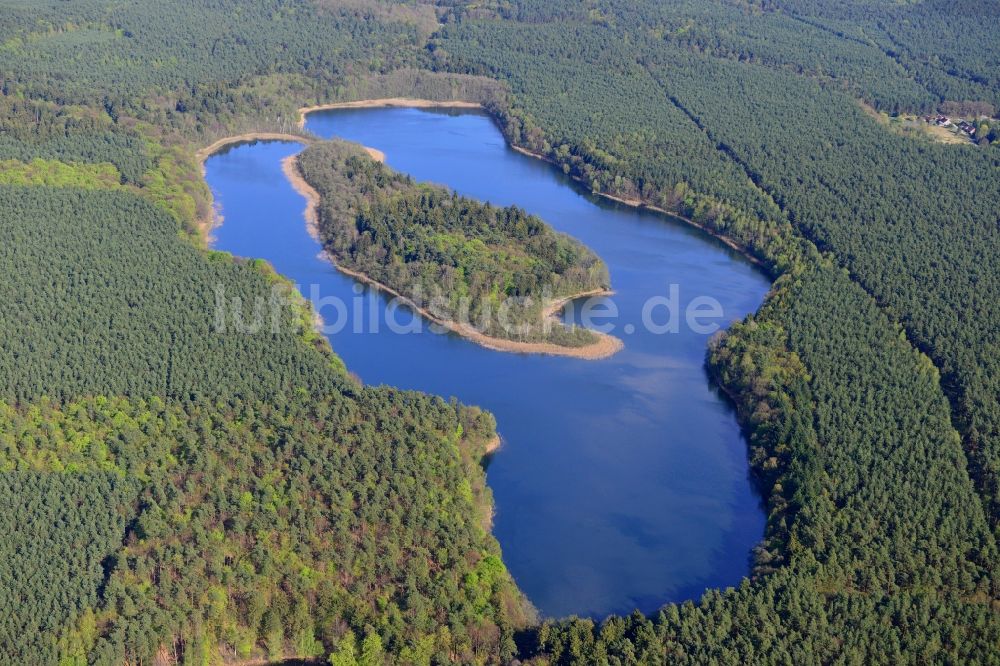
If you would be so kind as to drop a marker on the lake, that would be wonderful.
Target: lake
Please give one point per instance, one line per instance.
(621, 483)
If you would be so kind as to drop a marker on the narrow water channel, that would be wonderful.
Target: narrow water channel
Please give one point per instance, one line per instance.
(621, 483)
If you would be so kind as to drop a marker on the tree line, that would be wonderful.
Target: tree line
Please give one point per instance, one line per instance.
(209, 482)
(494, 268)
(840, 407)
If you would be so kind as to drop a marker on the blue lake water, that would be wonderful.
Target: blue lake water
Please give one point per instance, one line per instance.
(621, 483)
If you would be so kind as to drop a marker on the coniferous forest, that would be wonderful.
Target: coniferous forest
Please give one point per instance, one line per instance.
(457, 258)
(173, 495)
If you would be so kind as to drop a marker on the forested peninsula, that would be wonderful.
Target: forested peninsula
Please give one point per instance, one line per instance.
(494, 275)
(176, 495)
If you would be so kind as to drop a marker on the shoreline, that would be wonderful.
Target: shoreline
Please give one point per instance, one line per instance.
(205, 226)
(375, 154)
(290, 167)
(418, 103)
(492, 446)
(393, 102)
(249, 137)
(642, 205)
(605, 346)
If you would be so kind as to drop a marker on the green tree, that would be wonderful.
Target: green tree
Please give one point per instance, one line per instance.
(372, 652)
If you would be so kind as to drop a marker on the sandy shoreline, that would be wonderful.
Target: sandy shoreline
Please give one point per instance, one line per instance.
(375, 154)
(206, 225)
(639, 203)
(378, 155)
(397, 102)
(206, 152)
(290, 167)
(605, 346)
(407, 102)
(492, 446)
(212, 149)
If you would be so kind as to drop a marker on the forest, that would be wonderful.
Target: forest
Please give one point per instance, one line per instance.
(157, 437)
(877, 201)
(495, 269)
(224, 497)
(824, 185)
(251, 523)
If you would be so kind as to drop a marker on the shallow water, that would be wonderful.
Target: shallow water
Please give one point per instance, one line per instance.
(621, 483)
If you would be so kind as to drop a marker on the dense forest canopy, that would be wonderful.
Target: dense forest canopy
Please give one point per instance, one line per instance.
(495, 269)
(184, 495)
(284, 524)
(916, 222)
(252, 438)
